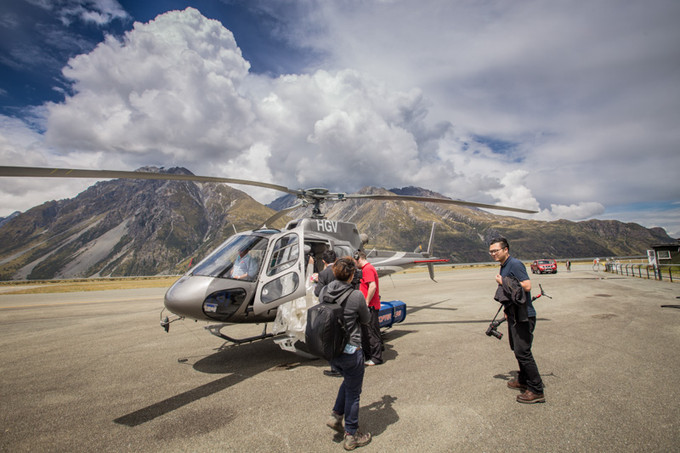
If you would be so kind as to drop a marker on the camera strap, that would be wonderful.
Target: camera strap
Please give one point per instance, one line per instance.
(499, 310)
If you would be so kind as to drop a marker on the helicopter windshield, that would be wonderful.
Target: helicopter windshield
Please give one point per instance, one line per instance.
(238, 258)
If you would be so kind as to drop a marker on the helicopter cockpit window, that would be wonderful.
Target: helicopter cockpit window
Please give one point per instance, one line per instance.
(239, 258)
(284, 255)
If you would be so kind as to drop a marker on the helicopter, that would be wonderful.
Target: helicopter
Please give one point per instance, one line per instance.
(253, 273)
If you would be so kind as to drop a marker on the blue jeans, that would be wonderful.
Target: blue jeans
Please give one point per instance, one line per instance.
(351, 366)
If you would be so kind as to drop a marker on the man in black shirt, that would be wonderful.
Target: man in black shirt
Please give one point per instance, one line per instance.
(326, 275)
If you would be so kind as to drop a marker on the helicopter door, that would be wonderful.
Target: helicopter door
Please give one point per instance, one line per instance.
(282, 278)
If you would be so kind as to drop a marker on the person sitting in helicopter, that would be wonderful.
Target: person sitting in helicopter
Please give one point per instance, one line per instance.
(245, 266)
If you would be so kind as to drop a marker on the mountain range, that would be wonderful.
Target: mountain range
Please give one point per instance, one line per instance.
(150, 227)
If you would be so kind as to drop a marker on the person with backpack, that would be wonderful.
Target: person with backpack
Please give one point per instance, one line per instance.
(324, 278)
(350, 362)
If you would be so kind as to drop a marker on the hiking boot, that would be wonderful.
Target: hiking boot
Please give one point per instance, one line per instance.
(514, 384)
(335, 422)
(529, 397)
(357, 439)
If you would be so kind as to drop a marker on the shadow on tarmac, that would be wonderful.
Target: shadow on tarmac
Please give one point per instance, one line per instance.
(510, 375)
(380, 414)
(238, 364)
(410, 310)
(376, 417)
(235, 361)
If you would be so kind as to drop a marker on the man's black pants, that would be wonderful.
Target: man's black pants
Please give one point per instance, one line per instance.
(371, 341)
(521, 335)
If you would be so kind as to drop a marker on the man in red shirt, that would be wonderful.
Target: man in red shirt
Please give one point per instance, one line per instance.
(371, 341)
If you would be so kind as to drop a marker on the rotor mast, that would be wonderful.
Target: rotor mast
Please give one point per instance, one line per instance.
(318, 196)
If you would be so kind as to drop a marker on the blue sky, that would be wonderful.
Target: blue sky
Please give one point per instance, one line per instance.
(569, 109)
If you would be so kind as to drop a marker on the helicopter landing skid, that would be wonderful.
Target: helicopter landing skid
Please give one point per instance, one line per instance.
(215, 329)
(288, 344)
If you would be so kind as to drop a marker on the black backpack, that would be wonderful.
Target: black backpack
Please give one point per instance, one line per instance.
(326, 333)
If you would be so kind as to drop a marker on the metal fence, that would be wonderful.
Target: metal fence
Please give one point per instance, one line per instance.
(658, 272)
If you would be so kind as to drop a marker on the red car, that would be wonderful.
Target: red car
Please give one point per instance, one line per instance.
(544, 266)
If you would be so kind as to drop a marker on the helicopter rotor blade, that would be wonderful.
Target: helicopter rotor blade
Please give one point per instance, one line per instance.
(437, 200)
(316, 196)
(41, 172)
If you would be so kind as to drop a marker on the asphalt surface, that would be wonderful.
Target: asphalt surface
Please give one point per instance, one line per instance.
(95, 372)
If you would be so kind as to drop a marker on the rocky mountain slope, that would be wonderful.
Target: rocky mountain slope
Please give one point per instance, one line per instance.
(462, 233)
(125, 227)
(147, 227)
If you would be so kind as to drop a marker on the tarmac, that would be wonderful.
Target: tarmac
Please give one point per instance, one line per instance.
(96, 372)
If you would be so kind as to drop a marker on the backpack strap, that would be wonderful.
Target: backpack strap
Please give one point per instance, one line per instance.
(340, 299)
(343, 297)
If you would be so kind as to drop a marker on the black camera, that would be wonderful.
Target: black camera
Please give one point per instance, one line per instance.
(356, 280)
(493, 329)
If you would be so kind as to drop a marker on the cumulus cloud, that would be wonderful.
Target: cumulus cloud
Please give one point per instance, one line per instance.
(576, 211)
(588, 91)
(469, 103)
(169, 87)
(177, 91)
(514, 192)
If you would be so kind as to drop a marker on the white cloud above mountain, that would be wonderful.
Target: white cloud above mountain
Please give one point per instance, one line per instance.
(523, 105)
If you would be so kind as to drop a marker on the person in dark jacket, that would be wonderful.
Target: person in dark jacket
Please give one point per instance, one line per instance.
(324, 278)
(326, 275)
(521, 317)
(351, 362)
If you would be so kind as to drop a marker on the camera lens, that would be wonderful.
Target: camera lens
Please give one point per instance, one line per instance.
(491, 330)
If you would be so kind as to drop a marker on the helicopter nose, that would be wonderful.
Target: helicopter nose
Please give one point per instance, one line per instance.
(185, 297)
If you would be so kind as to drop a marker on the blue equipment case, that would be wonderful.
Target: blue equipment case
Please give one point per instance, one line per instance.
(391, 312)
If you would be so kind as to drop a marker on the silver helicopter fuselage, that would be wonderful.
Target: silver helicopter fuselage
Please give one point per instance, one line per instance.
(213, 291)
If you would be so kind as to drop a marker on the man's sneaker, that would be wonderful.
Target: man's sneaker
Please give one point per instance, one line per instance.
(369, 363)
(514, 384)
(357, 439)
(335, 422)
